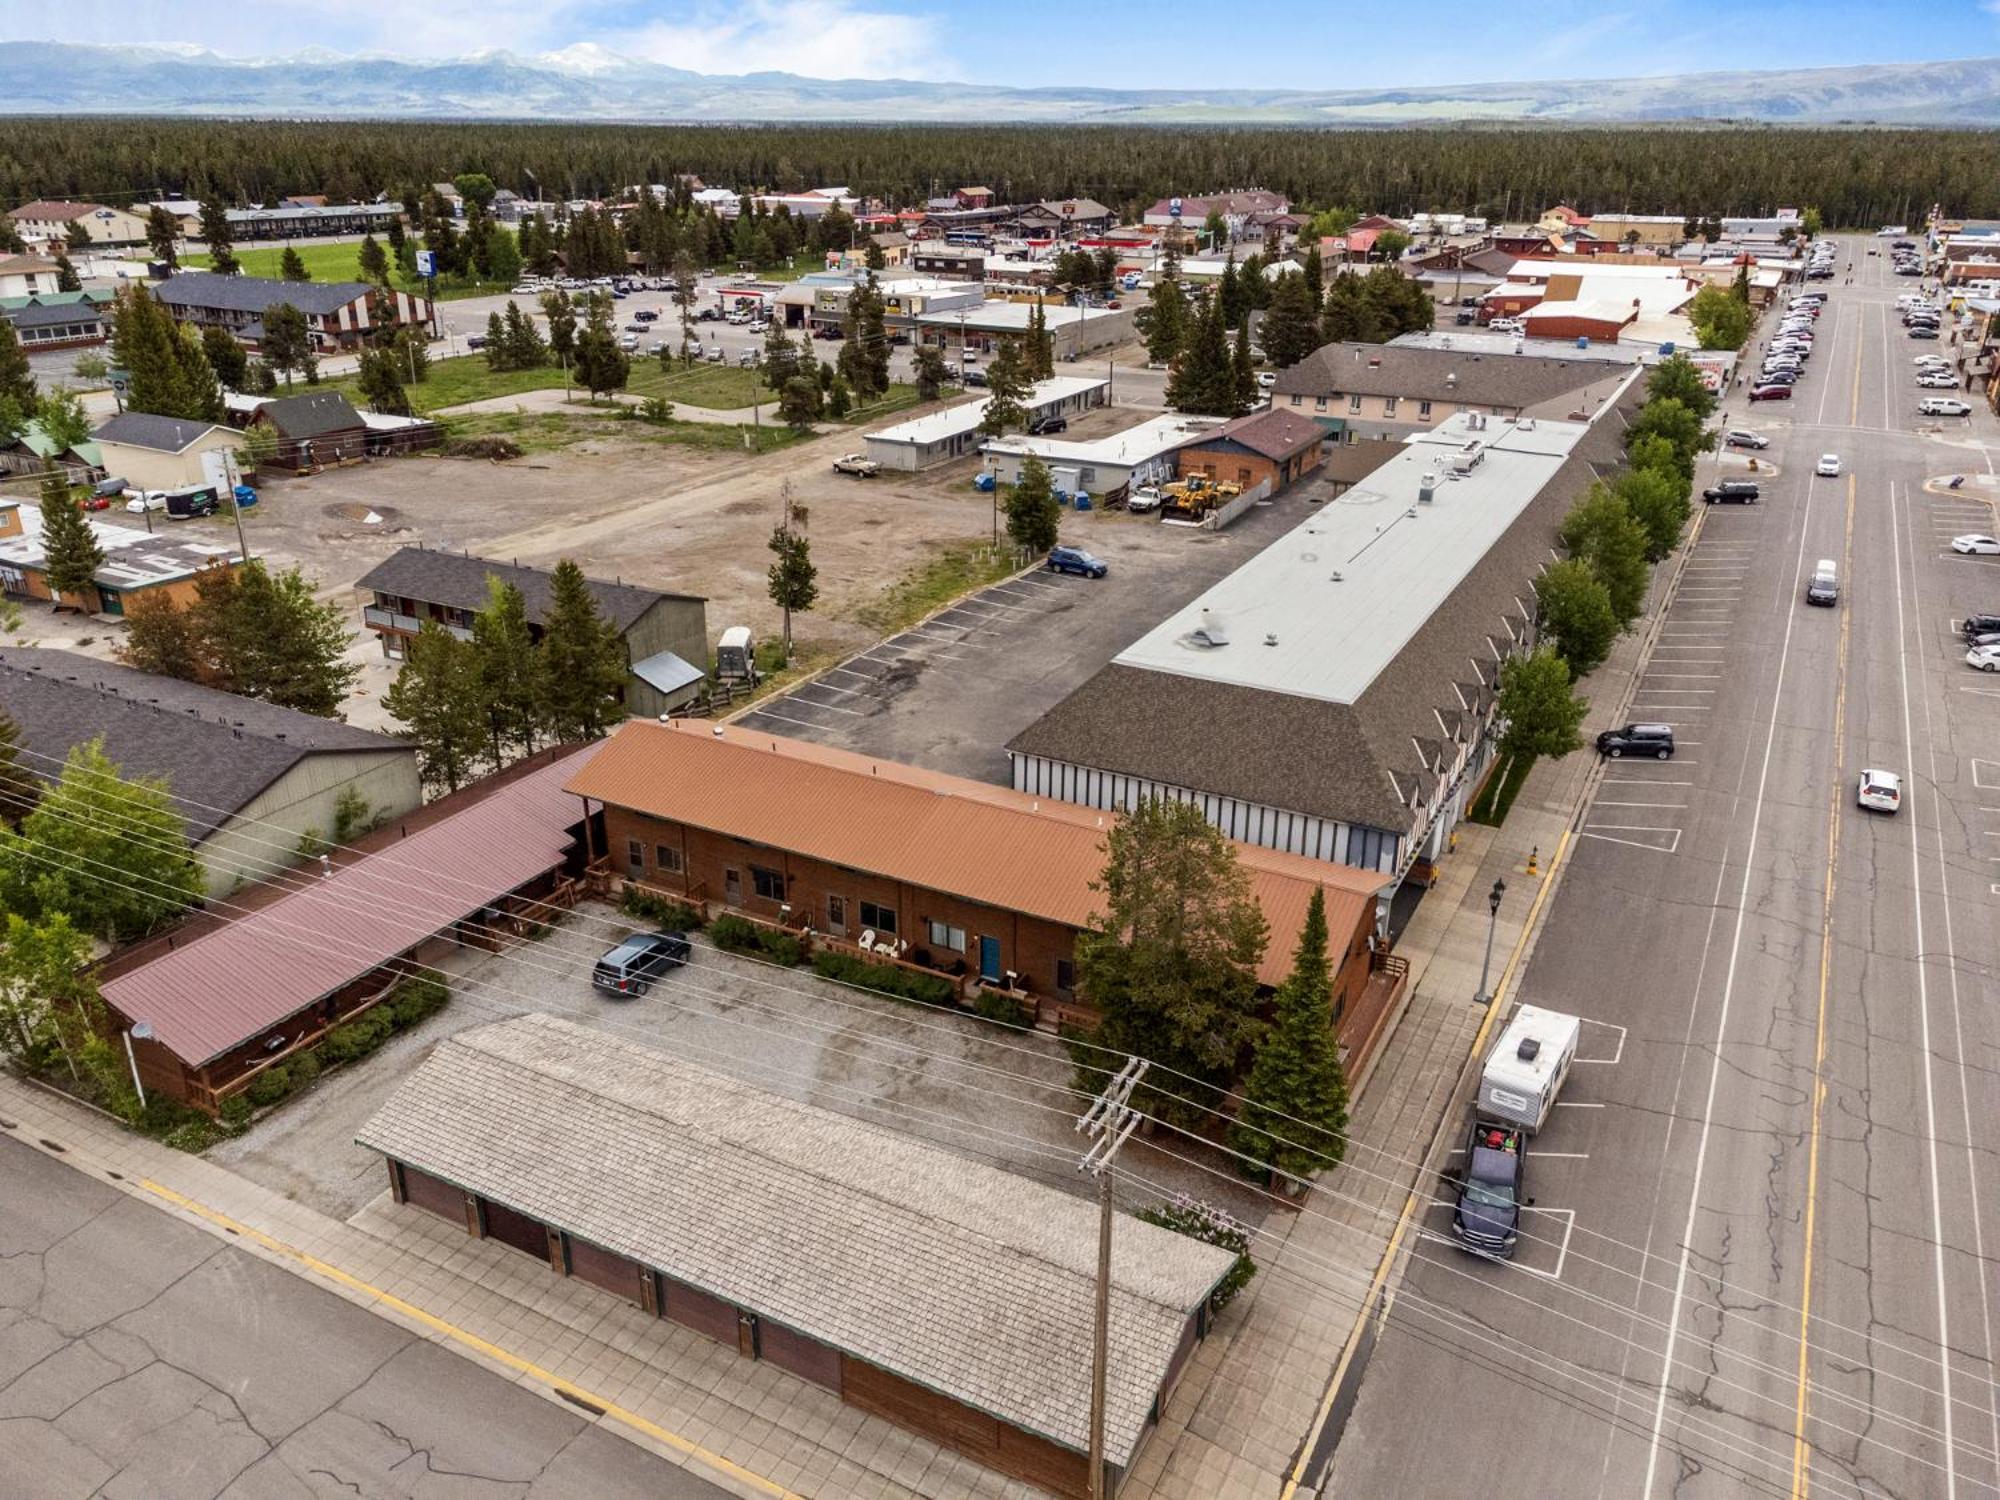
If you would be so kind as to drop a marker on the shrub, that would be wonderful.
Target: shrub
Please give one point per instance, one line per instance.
(236, 1111)
(668, 916)
(735, 935)
(1211, 1225)
(357, 1038)
(416, 1000)
(1003, 1008)
(304, 1069)
(194, 1136)
(269, 1086)
(885, 979)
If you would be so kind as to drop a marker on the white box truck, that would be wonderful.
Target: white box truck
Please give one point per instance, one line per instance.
(1525, 1070)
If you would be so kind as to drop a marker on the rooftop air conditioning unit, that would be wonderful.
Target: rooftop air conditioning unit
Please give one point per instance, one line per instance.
(1427, 488)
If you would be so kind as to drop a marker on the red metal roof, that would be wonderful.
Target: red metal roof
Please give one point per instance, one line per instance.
(238, 981)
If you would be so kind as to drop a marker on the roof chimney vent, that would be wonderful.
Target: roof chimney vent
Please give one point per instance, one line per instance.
(1427, 488)
(1270, 638)
(1211, 632)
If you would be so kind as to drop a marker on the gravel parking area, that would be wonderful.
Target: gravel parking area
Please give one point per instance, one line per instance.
(953, 1080)
(950, 693)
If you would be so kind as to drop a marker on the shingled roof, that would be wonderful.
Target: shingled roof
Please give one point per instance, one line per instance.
(257, 294)
(143, 429)
(312, 414)
(1514, 382)
(216, 750)
(458, 580)
(1273, 433)
(969, 1280)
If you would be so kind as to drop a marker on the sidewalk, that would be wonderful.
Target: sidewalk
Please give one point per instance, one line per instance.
(1255, 1401)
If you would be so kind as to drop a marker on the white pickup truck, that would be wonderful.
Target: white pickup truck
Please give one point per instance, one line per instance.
(860, 465)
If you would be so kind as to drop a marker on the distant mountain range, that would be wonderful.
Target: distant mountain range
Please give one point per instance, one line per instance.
(589, 83)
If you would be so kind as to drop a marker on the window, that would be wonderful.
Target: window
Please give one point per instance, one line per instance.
(1299, 400)
(881, 918)
(1319, 403)
(1243, 477)
(667, 859)
(1424, 410)
(1354, 403)
(769, 884)
(944, 935)
(1388, 406)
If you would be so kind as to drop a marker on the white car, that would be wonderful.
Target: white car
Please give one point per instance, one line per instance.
(1976, 543)
(1880, 791)
(1938, 382)
(1828, 466)
(1938, 406)
(139, 504)
(1266, 379)
(1985, 657)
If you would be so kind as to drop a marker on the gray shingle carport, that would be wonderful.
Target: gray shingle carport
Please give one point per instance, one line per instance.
(945, 1295)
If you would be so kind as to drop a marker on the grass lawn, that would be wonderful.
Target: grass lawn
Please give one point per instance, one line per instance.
(552, 431)
(933, 584)
(336, 262)
(1497, 796)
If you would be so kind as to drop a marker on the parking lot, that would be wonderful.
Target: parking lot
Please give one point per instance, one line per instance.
(951, 1079)
(950, 692)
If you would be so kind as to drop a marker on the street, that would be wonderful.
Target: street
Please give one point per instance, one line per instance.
(1756, 1261)
(140, 1356)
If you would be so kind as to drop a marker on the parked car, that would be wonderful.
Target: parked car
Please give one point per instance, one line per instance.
(1974, 626)
(1828, 466)
(1924, 331)
(1044, 425)
(1656, 740)
(93, 502)
(1732, 492)
(1986, 657)
(110, 489)
(1075, 560)
(1974, 543)
(1736, 437)
(860, 465)
(1880, 791)
(629, 969)
(1940, 406)
(1266, 379)
(141, 502)
(1770, 392)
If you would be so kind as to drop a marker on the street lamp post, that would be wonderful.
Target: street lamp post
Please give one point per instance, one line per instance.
(1492, 921)
(143, 1030)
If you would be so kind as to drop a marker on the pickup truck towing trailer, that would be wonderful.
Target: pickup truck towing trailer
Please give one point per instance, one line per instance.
(1487, 1217)
(1526, 1068)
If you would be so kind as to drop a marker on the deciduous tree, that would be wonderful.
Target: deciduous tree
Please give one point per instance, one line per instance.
(1600, 532)
(1658, 502)
(1541, 713)
(1720, 320)
(63, 420)
(20, 787)
(1576, 614)
(1679, 380)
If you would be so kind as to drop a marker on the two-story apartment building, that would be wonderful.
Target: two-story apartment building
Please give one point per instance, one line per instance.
(46, 223)
(340, 314)
(665, 635)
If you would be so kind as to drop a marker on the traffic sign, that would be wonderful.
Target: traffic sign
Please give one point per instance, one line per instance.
(1174, 207)
(427, 263)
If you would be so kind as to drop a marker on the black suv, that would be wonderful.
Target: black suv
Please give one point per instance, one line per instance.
(1048, 424)
(1656, 740)
(631, 967)
(1732, 492)
(1977, 625)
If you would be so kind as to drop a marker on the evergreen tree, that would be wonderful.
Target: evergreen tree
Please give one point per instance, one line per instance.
(601, 365)
(799, 403)
(287, 342)
(1007, 386)
(1244, 371)
(1294, 1115)
(72, 553)
(1289, 330)
(373, 260)
(932, 374)
(17, 376)
(163, 233)
(561, 313)
(1166, 317)
(380, 382)
(583, 660)
(792, 579)
(413, 354)
(526, 349)
(1041, 349)
(1315, 277)
(781, 356)
(436, 698)
(873, 255)
(1203, 379)
(687, 287)
(283, 645)
(292, 266)
(228, 359)
(1170, 960)
(20, 788)
(10, 237)
(511, 691)
(215, 234)
(1034, 516)
(107, 852)
(496, 344)
(1229, 294)
(66, 278)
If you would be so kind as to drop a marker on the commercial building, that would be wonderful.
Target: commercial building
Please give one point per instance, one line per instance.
(1104, 466)
(1234, 207)
(1333, 696)
(339, 314)
(137, 564)
(948, 262)
(160, 453)
(253, 982)
(46, 224)
(56, 320)
(1273, 447)
(1357, 391)
(945, 1295)
(27, 276)
(939, 437)
(250, 779)
(1073, 331)
(1061, 218)
(979, 884)
(294, 220)
(665, 635)
(1657, 231)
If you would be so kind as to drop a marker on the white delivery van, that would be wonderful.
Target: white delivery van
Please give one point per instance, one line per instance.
(1525, 1070)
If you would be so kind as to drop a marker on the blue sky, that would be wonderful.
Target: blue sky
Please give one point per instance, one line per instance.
(1177, 43)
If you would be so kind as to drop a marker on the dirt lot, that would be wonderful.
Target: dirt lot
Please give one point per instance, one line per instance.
(908, 1068)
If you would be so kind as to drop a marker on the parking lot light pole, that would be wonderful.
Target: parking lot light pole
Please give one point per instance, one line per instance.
(1492, 921)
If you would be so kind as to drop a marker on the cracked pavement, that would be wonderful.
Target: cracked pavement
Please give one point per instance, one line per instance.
(142, 1358)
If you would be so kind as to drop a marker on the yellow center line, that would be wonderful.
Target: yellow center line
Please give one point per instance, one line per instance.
(683, 1446)
(1801, 1449)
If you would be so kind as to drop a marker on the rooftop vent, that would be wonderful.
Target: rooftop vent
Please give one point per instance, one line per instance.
(1427, 488)
(1529, 1050)
(1211, 632)
(1336, 576)
(1270, 638)
(1451, 377)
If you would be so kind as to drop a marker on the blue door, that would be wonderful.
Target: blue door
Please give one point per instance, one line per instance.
(989, 960)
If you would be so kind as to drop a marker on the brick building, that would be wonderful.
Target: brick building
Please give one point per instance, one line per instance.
(1278, 445)
(976, 882)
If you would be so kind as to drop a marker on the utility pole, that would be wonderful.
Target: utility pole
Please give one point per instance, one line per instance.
(1109, 1122)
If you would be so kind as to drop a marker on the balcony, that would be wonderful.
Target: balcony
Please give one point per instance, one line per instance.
(375, 617)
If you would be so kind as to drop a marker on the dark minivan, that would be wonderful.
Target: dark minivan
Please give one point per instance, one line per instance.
(1656, 740)
(631, 967)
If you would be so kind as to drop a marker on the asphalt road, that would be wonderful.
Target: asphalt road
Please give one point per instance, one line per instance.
(142, 1357)
(1778, 1125)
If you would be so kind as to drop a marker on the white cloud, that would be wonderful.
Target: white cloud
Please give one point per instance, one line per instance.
(819, 38)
